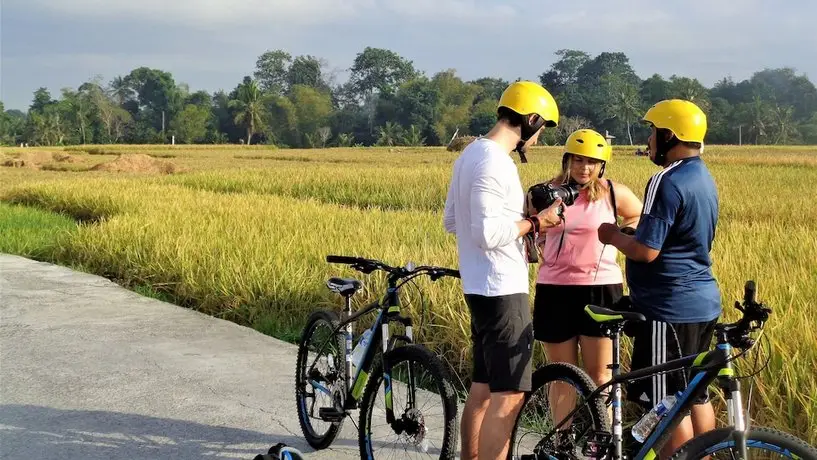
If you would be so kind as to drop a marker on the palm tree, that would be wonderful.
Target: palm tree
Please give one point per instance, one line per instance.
(390, 134)
(249, 107)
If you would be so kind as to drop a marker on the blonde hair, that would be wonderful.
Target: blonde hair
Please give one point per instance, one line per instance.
(595, 188)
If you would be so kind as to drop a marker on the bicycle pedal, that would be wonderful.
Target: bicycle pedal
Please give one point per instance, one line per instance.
(330, 414)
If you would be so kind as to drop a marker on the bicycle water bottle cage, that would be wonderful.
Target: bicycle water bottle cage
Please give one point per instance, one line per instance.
(344, 286)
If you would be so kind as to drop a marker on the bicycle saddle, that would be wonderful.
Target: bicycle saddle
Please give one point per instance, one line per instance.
(344, 286)
(606, 315)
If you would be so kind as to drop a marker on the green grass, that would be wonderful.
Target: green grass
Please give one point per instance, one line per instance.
(32, 232)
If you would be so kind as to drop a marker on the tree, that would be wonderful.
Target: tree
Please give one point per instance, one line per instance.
(42, 99)
(389, 134)
(199, 98)
(453, 109)
(12, 125)
(113, 118)
(272, 71)
(283, 122)
(562, 79)
(483, 117)
(312, 108)
(623, 101)
(489, 89)
(416, 102)
(689, 89)
(413, 137)
(190, 125)
(655, 89)
(80, 106)
(307, 71)
(158, 97)
(379, 70)
(248, 107)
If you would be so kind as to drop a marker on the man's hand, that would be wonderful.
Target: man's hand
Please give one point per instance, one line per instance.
(606, 232)
(549, 217)
(628, 245)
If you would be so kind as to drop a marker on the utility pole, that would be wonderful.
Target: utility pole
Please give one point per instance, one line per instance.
(740, 134)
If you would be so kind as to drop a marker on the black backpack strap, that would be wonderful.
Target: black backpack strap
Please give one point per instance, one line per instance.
(613, 199)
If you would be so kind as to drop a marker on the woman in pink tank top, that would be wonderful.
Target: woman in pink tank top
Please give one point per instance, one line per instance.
(576, 269)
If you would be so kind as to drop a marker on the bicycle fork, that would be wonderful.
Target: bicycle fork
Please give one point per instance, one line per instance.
(734, 402)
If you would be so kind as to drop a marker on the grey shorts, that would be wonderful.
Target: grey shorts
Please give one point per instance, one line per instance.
(502, 336)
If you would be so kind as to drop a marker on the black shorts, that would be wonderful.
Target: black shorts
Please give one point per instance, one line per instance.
(502, 338)
(558, 310)
(656, 342)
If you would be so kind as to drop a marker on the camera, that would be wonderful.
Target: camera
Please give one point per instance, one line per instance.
(541, 196)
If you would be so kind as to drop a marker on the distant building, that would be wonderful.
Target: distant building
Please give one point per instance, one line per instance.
(609, 137)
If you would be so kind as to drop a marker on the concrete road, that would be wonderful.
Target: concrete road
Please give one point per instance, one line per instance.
(89, 370)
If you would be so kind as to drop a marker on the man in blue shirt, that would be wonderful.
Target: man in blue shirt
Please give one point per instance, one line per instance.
(669, 270)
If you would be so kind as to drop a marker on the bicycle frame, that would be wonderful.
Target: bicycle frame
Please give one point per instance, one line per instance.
(389, 307)
(708, 366)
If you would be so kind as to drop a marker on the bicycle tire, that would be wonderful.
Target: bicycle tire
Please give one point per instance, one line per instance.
(760, 438)
(314, 439)
(575, 376)
(424, 357)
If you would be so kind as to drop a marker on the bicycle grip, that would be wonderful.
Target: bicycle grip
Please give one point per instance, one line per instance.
(332, 259)
(749, 291)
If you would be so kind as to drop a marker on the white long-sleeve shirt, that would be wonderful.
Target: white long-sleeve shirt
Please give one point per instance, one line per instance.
(483, 204)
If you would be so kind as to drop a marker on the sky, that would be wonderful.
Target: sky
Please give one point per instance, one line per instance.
(212, 44)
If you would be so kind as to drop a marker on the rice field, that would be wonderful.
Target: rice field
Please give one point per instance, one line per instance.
(241, 233)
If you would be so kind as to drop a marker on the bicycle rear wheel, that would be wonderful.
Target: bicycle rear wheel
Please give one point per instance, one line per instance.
(761, 443)
(426, 427)
(319, 378)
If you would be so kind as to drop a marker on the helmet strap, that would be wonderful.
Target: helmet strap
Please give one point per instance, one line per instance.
(601, 170)
(664, 143)
(527, 130)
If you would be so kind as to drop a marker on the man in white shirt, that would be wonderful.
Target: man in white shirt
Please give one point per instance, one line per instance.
(484, 209)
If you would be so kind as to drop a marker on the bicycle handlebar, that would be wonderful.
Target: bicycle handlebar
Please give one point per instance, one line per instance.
(755, 315)
(364, 265)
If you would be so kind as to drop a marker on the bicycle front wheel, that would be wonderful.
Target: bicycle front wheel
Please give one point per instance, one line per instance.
(557, 389)
(417, 389)
(761, 443)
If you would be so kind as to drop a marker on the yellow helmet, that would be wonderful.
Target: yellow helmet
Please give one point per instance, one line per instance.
(685, 119)
(589, 143)
(527, 97)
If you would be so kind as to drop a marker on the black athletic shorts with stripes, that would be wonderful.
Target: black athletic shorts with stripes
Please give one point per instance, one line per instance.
(502, 335)
(656, 342)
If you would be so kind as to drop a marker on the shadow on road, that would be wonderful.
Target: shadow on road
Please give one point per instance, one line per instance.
(28, 432)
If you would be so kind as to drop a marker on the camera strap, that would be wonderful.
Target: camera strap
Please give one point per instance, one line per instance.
(615, 217)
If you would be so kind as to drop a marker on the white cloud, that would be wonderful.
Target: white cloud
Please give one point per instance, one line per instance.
(451, 11)
(206, 12)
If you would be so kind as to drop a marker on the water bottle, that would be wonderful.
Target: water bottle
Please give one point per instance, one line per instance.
(360, 348)
(644, 427)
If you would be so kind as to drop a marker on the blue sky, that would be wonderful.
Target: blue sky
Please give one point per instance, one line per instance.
(212, 44)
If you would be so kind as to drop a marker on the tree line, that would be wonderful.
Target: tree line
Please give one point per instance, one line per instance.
(293, 101)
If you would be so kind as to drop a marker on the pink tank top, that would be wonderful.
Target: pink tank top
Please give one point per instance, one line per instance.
(583, 260)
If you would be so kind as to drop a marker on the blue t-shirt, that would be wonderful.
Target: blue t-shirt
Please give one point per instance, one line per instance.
(679, 219)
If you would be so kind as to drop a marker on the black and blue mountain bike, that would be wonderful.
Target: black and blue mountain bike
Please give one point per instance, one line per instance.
(585, 431)
(418, 416)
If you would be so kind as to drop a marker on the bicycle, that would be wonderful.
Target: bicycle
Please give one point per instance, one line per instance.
(596, 440)
(347, 392)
